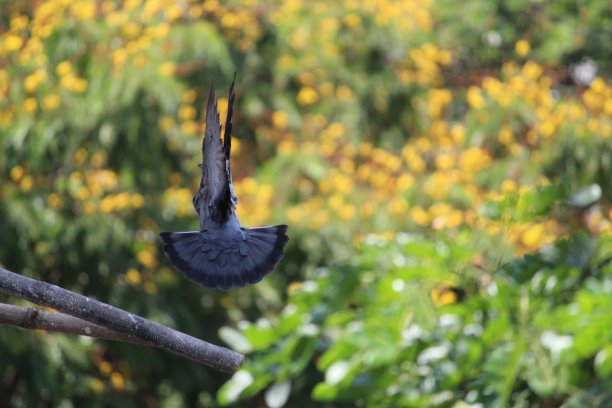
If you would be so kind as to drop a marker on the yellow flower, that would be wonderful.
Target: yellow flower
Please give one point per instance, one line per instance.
(445, 161)
(474, 159)
(509, 186)
(73, 83)
(286, 61)
(130, 5)
(419, 216)
(347, 211)
(293, 287)
(336, 202)
(307, 96)
(547, 128)
(532, 237)
(19, 22)
(63, 68)
(189, 96)
(130, 29)
(522, 48)
(413, 159)
(107, 205)
(532, 70)
(347, 166)
(438, 99)
(307, 78)
(50, 102)
(335, 130)
(404, 182)
(166, 123)
(83, 10)
(17, 173)
(342, 183)
(96, 385)
(186, 112)
(398, 206)
(352, 20)
(457, 132)
(475, 98)
(137, 200)
(149, 288)
(33, 81)
(379, 179)
(455, 218)
(247, 186)
(505, 135)
(286, 147)
(30, 105)
(54, 201)
(133, 276)
(438, 184)
(12, 42)
(118, 57)
(280, 119)
(147, 258)
(167, 68)
(265, 192)
(344, 93)
(117, 381)
(189, 128)
(444, 294)
(174, 12)
(105, 368)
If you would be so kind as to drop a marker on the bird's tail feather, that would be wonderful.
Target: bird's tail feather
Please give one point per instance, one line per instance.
(223, 264)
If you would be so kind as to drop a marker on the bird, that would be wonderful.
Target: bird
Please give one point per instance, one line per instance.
(222, 254)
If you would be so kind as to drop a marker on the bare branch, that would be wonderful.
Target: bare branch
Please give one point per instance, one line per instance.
(82, 307)
(33, 318)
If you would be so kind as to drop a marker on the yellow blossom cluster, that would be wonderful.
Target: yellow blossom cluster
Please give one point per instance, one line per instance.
(96, 190)
(137, 37)
(529, 88)
(255, 201)
(431, 181)
(116, 374)
(236, 22)
(423, 66)
(179, 200)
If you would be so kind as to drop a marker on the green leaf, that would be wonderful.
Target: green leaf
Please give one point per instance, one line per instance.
(231, 390)
(324, 392)
(235, 339)
(277, 395)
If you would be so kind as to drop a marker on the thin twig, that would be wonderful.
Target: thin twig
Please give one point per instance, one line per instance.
(82, 307)
(37, 319)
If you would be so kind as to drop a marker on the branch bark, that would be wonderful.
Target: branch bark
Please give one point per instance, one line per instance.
(120, 321)
(37, 319)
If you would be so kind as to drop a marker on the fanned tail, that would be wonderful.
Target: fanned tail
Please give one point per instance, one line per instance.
(216, 263)
(265, 247)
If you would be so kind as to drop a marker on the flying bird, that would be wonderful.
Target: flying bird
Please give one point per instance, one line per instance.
(222, 254)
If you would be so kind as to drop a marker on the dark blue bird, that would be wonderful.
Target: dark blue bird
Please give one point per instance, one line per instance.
(222, 254)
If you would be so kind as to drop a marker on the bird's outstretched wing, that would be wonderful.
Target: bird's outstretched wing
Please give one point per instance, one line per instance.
(215, 199)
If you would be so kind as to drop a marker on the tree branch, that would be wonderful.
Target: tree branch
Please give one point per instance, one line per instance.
(118, 320)
(37, 319)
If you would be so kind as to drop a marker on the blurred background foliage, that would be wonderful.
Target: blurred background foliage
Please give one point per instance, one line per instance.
(444, 169)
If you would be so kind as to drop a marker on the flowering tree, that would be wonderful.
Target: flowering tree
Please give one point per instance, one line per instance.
(483, 129)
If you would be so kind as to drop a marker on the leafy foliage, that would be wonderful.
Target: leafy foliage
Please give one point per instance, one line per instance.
(484, 130)
(534, 330)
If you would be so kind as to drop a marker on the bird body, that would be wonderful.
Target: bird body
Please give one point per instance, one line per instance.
(222, 254)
